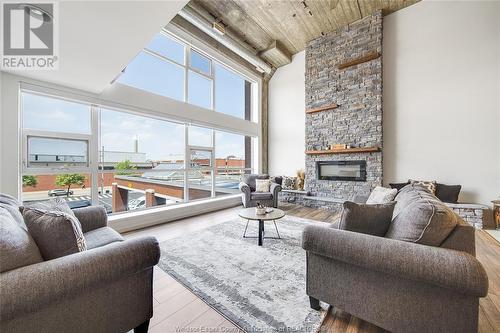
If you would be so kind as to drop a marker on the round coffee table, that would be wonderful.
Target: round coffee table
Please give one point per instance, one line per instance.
(251, 215)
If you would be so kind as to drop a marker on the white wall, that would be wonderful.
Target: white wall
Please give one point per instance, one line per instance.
(441, 86)
(287, 118)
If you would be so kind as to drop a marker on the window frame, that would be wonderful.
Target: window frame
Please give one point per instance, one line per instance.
(97, 101)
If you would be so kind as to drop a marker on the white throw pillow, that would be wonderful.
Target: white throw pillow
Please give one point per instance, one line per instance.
(262, 185)
(381, 195)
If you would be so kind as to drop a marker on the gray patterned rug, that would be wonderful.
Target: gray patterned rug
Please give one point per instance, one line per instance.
(260, 289)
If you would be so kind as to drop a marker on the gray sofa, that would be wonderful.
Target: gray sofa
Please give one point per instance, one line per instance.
(106, 288)
(400, 286)
(250, 198)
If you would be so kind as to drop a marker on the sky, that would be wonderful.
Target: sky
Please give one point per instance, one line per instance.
(160, 140)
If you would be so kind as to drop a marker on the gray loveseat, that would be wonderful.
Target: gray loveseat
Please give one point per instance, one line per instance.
(250, 198)
(398, 285)
(107, 288)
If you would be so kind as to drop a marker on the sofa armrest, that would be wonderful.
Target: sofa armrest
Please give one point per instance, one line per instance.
(244, 188)
(32, 287)
(92, 217)
(275, 189)
(446, 268)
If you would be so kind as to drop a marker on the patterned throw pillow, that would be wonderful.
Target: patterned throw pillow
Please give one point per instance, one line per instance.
(381, 195)
(430, 185)
(57, 233)
(288, 183)
(262, 185)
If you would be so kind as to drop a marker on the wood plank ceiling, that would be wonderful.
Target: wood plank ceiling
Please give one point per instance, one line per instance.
(287, 25)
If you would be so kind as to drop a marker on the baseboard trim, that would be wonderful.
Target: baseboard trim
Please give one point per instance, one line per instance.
(146, 218)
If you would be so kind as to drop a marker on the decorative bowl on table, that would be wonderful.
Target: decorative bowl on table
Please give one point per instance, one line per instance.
(260, 209)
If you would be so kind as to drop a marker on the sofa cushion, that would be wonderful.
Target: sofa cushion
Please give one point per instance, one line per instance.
(448, 193)
(288, 183)
(100, 237)
(17, 248)
(420, 217)
(430, 185)
(277, 179)
(57, 234)
(12, 205)
(250, 180)
(371, 219)
(262, 185)
(398, 186)
(381, 195)
(261, 196)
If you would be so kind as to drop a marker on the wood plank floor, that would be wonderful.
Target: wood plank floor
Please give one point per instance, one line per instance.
(176, 309)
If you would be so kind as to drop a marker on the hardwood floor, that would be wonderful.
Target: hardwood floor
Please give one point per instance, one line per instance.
(176, 309)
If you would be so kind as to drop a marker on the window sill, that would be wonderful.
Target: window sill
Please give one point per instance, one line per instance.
(145, 218)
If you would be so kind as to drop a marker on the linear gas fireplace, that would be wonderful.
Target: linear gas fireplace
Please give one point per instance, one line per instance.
(341, 170)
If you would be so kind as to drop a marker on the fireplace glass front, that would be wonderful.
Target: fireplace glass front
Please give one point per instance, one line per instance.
(341, 170)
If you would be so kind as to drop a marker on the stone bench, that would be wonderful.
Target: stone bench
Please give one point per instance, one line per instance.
(476, 215)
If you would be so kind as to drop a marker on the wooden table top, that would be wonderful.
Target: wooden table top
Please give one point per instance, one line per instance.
(251, 214)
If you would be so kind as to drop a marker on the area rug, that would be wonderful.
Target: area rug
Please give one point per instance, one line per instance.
(258, 288)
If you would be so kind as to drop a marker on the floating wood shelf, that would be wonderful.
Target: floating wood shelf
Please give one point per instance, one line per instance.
(344, 151)
(323, 108)
(360, 60)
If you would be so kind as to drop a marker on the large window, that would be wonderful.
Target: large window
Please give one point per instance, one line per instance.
(125, 161)
(175, 69)
(56, 149)
(232, 159)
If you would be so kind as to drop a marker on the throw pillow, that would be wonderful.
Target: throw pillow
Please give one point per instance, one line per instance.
(367, 219)
(448, 193)
(12, 205)
(262, 185)
(250, 180)
(276, 179)
(57, 234)
(430, 185)
(17, 248)
(288, 183)
(381, 195)
(421, 218)
(398, 186)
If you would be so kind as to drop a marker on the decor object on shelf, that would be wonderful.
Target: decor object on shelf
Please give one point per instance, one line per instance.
(337, 146)
(368, 57)
(300, 180)
(250, 197)
(381, 195)
(496, 213)
(344, 151)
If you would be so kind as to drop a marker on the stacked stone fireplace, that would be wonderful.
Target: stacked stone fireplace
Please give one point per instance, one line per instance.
(357, 119)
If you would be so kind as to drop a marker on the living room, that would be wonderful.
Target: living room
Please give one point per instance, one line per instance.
(250, 165)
